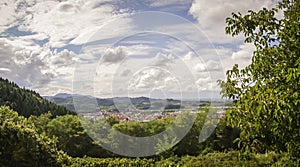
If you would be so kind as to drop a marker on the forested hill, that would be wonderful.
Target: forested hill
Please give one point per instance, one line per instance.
(27, 102)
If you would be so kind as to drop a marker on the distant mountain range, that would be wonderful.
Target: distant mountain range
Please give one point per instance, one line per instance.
(27, 102)
(66, 100)
(140, 103)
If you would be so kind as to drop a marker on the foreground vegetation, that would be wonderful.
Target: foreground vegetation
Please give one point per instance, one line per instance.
(232, 158)
(266, 93)
(24, 143)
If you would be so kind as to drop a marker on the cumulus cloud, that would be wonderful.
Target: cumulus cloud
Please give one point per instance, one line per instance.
(242, 56)
(162, 59)
(214, 12)
(63, 58)
(204, 83)
(211, 15)
(188, 56)
(245, 52)
(31, 65)
(114, 55)
(25, 67)
(152, 78)
(209, 66)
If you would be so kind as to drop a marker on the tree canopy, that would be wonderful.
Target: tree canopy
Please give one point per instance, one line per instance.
(22, 145)
(266, 92)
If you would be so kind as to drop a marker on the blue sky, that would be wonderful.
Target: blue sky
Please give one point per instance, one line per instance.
(121, 48)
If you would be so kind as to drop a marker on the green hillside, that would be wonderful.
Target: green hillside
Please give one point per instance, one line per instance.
(27, 102)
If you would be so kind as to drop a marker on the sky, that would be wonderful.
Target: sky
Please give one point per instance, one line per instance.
(108, 48)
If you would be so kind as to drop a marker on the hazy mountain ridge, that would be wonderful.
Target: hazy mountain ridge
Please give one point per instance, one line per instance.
(66, 100)
(142, 102)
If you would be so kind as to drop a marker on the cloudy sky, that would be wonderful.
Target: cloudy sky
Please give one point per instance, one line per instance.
(156, 48)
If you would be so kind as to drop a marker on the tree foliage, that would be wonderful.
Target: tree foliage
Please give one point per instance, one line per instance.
(220, 140)
(266, 93)
(22, 145)
(72, 137)
(232, 158)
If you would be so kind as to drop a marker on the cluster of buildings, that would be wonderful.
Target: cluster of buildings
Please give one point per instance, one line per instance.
(143, 116)
(131, 116)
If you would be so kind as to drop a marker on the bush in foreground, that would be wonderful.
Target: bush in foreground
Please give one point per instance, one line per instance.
(233, 158)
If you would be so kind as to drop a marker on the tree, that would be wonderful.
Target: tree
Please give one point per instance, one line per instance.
(72, 137)
(22, 145)
(266, 93)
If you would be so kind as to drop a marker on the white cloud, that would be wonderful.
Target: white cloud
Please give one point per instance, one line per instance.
(132, 50)
(204, 83)
(209, 66)
(114, 55)
(10, 12)
(164, 3)
(185, 34)
(65, 20)
(245, 52)
(188, 56)
(242, 56)
(200, 67)
(111, 29)
(63, 58)
(54, 88)
(211, 15)
(2, 70)
(34, 37)
(162, 59)
(139, 50)
(60, 21)
(78, 21)
(169, 5)
(152, 78)
(31, 65)
(224, 52)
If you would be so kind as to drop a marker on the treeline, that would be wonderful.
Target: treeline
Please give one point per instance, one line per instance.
(27, 102)
(61, 141)
(74, 140)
